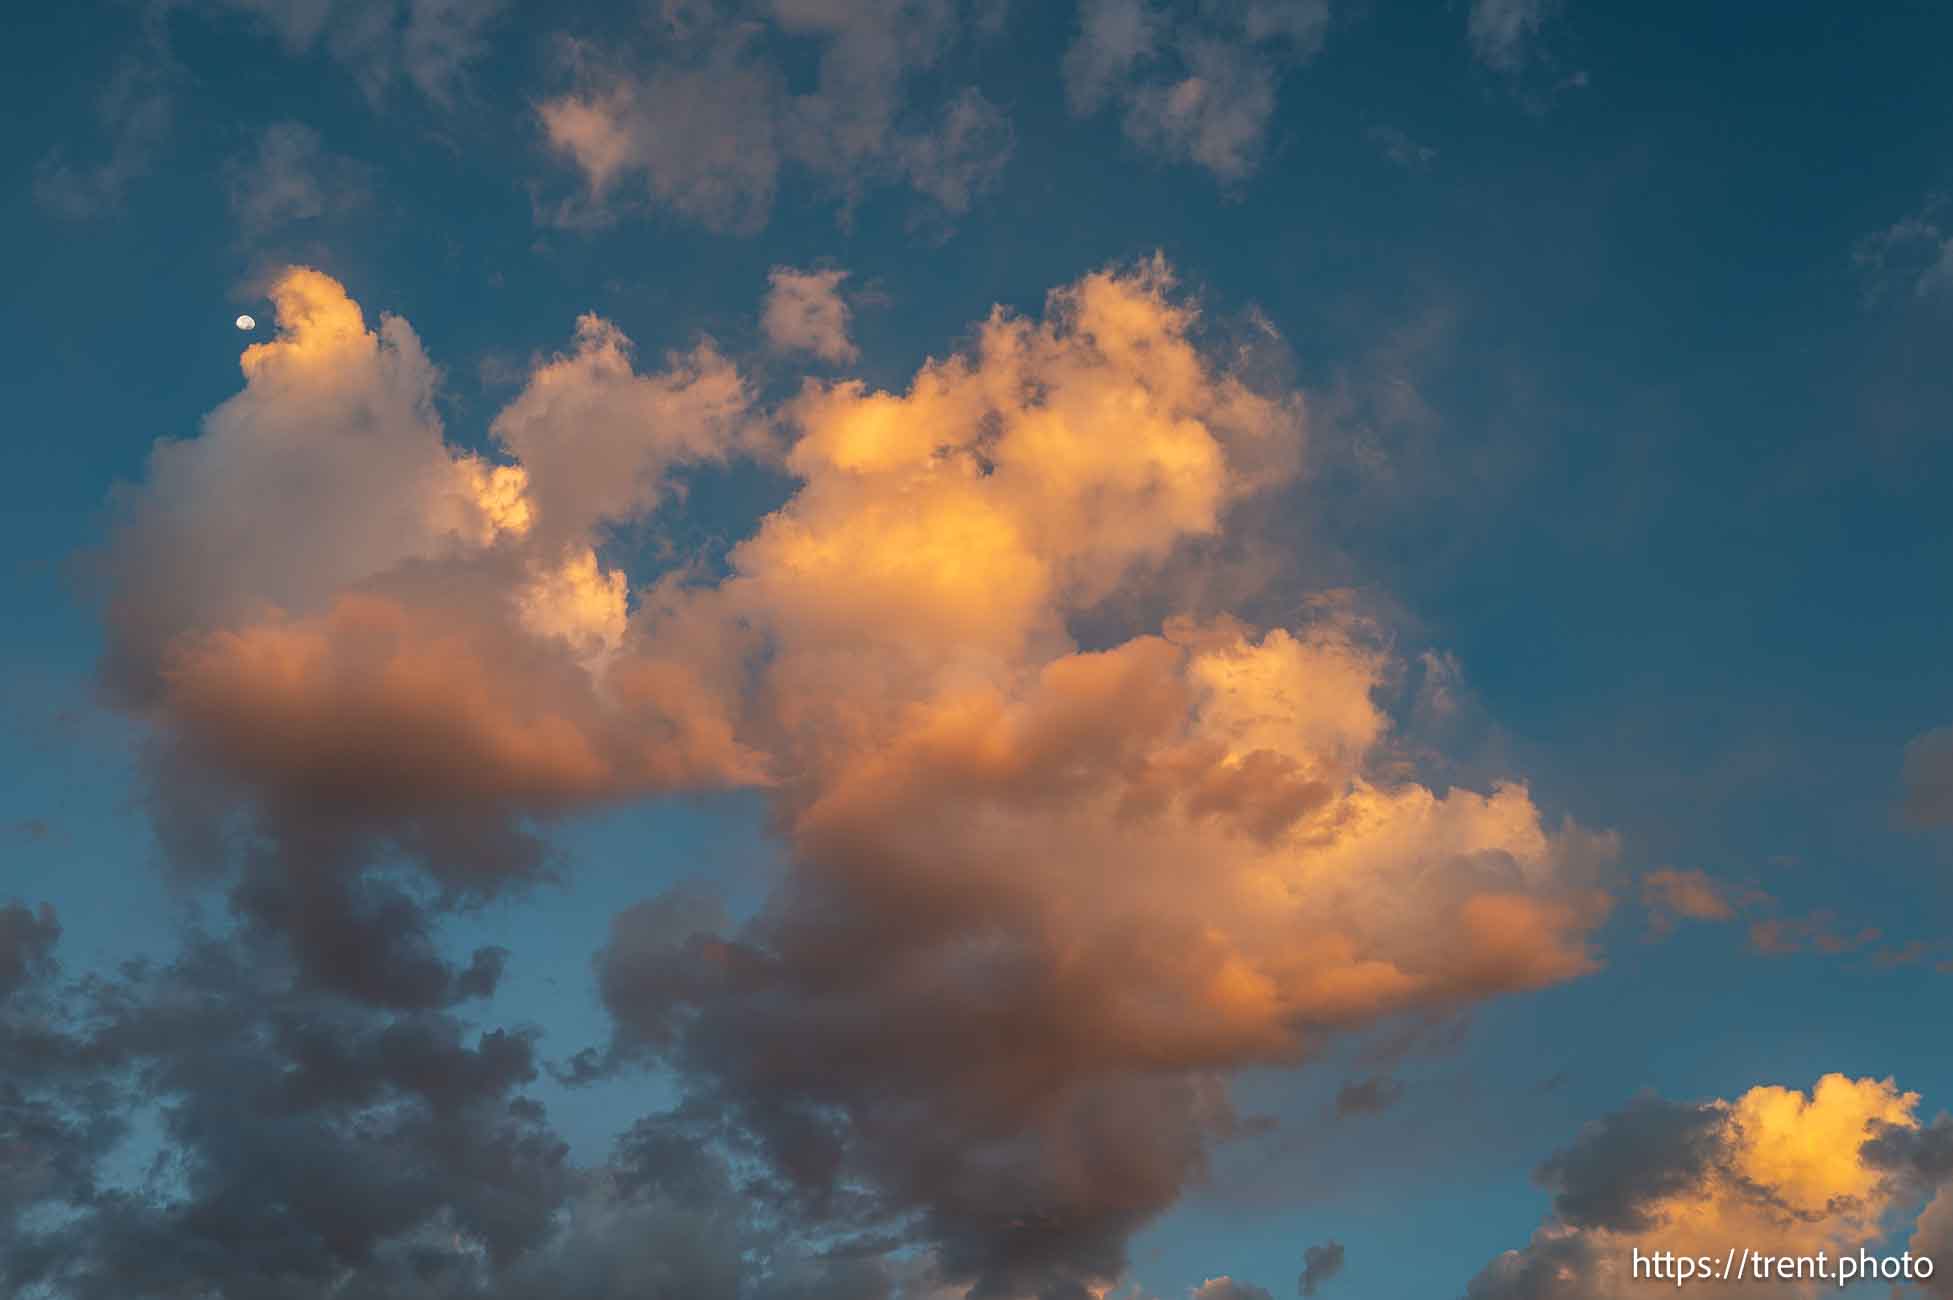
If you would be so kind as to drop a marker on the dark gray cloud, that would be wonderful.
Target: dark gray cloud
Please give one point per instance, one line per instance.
(852, 1058)
(1319, 1264)
(1369, 1096)
(297, 1145)
(1647, 1150)
(27, 939)
(1556, 1266)
(1926, 1152)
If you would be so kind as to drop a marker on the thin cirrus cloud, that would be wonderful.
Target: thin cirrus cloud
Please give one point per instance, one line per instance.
(136, 110)
(1777, 1170)
(707, 127)
(429, 44)
(287, 177)
(1502, 33)
(1043, 898)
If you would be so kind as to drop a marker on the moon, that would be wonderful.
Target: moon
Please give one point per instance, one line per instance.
(246, 323)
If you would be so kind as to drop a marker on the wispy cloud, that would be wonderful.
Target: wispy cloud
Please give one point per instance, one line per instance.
(707, 126)
(1195, 85)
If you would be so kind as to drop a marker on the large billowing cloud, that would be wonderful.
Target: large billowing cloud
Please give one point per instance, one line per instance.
(1044, 895)
(381, 640)
(707, 127)
(1776, 1171)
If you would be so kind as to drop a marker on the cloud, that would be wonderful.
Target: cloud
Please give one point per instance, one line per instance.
(1782, 936)
(1198, 87)
(708, 126)
(805, 312)
(1368, 1096)
(1044, 897)
(136, 109)
(1932, 1237)
(290, 177)
(994, 989)
(702, 138)
(1915, 251)
(429, 43)
(1400, 149)
(1923, 1155)
(300, 1146)
(1671, 896)
(1226, 1288)
(27, 939)
(1693, 895)
(1927, 779)
(1501, 32)
(376, 639)
(1319, 1265)
(1687, 895)
(1776, 1170)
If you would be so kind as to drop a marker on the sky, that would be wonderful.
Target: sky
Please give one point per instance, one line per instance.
(973, 649)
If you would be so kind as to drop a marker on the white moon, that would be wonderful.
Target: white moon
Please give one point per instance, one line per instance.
(246, 323)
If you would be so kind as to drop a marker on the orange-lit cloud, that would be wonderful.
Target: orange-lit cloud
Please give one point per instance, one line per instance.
(1044, 895)
(1776, 1171)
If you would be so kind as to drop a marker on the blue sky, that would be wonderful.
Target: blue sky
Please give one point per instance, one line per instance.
(1621, 334)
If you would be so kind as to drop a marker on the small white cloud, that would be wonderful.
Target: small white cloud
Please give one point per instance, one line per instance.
(1400, 149)
(805, 312)
(1916, 251)
(1501, 32)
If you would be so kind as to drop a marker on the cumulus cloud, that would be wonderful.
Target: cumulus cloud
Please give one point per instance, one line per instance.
(1196, 87)
(302, 1146)
(995, 989)
(1775, 1170)
(1044, 896)
(805, 312)
(707, 127)
(376, 638)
